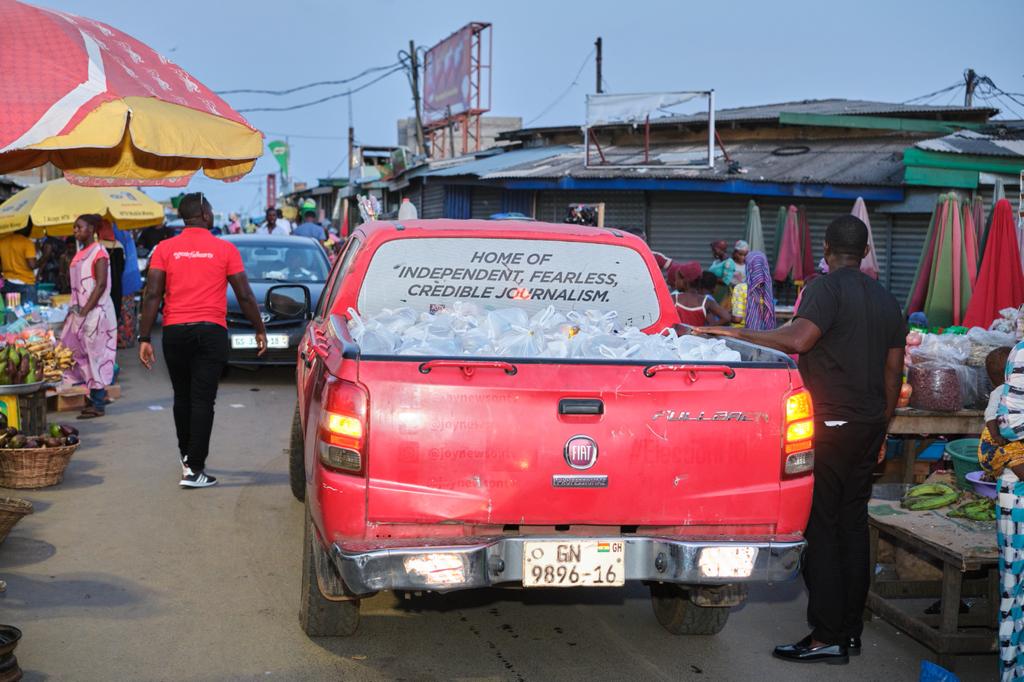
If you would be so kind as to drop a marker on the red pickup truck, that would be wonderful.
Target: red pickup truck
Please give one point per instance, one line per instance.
(435, 473)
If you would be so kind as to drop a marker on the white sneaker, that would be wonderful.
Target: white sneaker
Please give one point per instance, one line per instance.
(190, 479)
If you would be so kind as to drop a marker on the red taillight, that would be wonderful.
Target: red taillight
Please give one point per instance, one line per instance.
(343, 424)
(798, 434)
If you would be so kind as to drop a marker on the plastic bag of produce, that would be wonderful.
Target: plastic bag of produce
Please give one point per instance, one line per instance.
(936, 386)
(984, 337)
(949, 348)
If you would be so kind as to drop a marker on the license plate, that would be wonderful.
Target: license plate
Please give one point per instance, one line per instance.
(247, 341)
(580, 563)
(727, 562)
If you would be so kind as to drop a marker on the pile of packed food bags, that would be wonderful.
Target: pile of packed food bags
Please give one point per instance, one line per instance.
(467, 329)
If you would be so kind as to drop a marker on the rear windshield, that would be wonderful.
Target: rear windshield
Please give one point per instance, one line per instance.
(302, 261)
(431, 274)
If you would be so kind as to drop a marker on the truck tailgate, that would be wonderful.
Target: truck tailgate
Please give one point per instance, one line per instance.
(486, 446)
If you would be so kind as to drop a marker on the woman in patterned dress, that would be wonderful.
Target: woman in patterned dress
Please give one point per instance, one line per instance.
(91, 328)
(1001, 453)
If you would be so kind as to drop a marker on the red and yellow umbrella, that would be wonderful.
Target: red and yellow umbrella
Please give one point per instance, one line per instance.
(108, 110)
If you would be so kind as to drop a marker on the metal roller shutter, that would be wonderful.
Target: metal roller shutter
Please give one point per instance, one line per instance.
(433, 201)
(517, 201)
(486, 202)
(621, 209)
(684, 225)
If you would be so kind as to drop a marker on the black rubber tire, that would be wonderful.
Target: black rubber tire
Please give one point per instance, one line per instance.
(319, 616)
(297, 459)
(680, 616)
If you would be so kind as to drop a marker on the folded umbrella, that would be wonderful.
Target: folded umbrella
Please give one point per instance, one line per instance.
(869, 266)
(755, 233)
(780, 228)
(790, 260)
(1001, 279)
(53, 207)
(806, 249)
(922, 277)
(108, 110)
(970, 243)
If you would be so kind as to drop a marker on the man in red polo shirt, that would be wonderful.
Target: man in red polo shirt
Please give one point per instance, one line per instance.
(190, 274)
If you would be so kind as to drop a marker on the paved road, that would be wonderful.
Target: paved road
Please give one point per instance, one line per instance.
(120, 575)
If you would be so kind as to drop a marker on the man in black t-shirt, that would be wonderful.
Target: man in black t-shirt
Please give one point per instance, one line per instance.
(850, 334)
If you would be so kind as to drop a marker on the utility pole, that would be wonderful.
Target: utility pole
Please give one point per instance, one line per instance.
(598, 44)
(351, 138)
(414, 65)
(972, 82)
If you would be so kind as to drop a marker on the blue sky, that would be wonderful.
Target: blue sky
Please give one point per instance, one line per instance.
(749, 52)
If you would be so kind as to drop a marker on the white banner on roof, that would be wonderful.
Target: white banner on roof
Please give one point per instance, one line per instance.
(633, 108)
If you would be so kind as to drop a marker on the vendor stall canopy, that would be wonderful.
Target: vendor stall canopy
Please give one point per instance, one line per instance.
(54, 206)
(108, 110)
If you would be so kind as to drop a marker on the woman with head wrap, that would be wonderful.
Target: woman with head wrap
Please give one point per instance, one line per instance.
(757, 294)
(693, 307)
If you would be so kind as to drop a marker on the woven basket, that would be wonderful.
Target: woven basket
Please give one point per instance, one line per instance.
(11, 511)
(34, 467)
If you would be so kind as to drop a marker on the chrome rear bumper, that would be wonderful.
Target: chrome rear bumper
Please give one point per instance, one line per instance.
(467, 563)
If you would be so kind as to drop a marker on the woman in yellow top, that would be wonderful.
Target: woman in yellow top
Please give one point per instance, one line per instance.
(18, 263)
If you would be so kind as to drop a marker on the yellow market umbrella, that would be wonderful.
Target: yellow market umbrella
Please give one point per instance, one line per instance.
(107, 109)
(54, 206)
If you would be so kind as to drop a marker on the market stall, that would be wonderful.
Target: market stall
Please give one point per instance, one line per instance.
(966, 552)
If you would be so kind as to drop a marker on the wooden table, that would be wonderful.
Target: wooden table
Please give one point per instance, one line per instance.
(960, 546)
(917, 425)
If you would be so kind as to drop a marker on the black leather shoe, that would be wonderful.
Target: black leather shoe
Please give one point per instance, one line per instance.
(853, 646)
(803, 652)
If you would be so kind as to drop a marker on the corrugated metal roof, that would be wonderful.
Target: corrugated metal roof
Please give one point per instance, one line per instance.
(489, 162)
(835, 107)
(767, 112)
(1007, 141)
(851, 162)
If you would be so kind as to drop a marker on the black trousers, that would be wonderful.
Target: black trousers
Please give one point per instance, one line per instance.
(836, 563)
(196, 355)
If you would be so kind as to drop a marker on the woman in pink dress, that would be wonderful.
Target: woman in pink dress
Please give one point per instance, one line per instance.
(91, 328)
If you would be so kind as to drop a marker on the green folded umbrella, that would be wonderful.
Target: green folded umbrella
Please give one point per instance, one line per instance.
(755, 234)
(949, 288)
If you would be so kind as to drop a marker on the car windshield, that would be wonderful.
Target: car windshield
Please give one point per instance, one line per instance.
(299, 262)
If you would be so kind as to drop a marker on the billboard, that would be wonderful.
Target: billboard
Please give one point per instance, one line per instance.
(446, 75)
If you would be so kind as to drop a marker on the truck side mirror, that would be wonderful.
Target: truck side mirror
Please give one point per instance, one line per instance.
(289, 301)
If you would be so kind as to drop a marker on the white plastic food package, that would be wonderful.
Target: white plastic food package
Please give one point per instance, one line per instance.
(467, 330)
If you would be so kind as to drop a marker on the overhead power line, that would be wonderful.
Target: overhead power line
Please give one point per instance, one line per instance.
(328, 98)
(288, 91)
(954, 86)
(573, 84)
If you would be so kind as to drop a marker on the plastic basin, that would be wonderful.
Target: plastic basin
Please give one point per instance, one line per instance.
(964, 453)
(987, 489)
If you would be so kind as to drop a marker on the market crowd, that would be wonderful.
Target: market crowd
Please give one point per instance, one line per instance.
(93, 279)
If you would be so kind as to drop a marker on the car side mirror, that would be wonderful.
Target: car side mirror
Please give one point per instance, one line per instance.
(290, 301)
